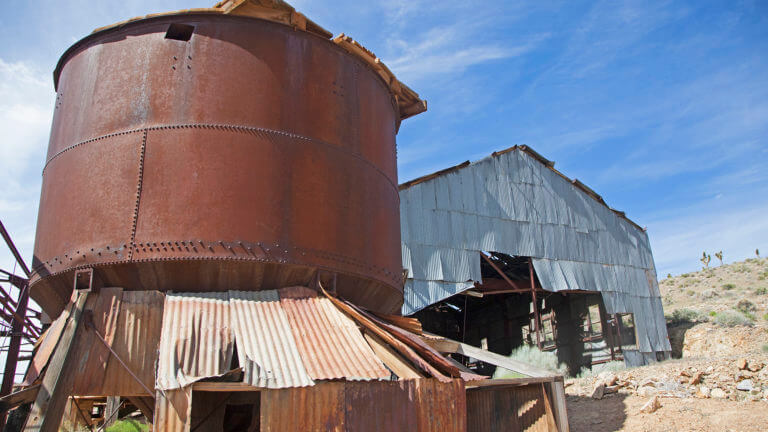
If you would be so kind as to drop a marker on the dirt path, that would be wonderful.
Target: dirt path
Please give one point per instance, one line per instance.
(621, 412)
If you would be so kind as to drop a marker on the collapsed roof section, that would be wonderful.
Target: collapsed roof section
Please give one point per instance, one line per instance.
(408, 102)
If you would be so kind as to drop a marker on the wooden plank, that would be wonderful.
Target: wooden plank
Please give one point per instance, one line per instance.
(51, 400)
(548, 414)
(558, 401)
(394, 362)
(451, 346)
(11, 401)
(219, 386)
(509, 382)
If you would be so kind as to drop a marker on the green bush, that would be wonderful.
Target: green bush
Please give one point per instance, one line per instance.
(729, 286)
(761, 291)
(765, 317)
(681, 316)
(612, 366)
(732, 318)
(765, 347)
(691, 293)
(685, 275)
(128, 426)
(712, 313)
(745, 306)
(532, 355)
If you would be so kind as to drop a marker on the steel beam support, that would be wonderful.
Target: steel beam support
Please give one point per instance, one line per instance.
(13, 349)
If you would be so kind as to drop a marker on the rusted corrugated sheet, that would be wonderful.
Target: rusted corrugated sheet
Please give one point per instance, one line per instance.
(424, 405)
(131, 322)
(196, 339)
(92, 355)
(329, 342)
(440, 406)
(266, 346)
(173, 410)
(521, 408)
(317, 408)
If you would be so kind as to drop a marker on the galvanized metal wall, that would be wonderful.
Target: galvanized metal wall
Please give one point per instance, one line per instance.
(515, 204)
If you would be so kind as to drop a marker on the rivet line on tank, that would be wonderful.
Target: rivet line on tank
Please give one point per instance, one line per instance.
(233, 128)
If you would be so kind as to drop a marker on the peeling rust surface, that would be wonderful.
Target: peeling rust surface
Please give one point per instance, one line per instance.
(250, 152)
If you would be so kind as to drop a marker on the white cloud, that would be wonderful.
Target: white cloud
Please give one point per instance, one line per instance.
(450, 50)
(26, 108)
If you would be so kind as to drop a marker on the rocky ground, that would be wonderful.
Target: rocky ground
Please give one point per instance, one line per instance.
(720, 383)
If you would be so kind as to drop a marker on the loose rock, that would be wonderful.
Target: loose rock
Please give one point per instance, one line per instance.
(718, 393)
(598, 391)
(741, 363)
(745, 385)
(651, 406)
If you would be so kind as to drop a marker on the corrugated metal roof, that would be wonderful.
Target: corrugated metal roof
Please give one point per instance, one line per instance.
(330, 343)
(265, 342)
(196, 340)
(515, 202)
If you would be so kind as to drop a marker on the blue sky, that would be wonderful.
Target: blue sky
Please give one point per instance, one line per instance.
(661, 107)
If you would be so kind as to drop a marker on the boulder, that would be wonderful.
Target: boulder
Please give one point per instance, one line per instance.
(755, 367)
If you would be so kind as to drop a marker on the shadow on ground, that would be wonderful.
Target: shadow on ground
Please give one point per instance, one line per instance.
(591, 415)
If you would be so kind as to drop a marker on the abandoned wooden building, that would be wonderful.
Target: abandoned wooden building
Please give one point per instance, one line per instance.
(507, 251)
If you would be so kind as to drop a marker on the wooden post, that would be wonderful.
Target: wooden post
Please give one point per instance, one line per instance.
(52, 397)
(111, 410)
(535, 303)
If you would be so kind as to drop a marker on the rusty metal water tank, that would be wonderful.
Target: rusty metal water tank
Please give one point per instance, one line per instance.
(203, 152)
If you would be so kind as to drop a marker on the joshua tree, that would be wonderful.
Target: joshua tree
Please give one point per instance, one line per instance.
(719, 256)
(705, 259)
(757, 252)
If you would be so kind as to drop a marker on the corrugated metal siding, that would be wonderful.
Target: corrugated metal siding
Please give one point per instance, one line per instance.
(173, 410)
(196, 340)
(131, 322)
(330, 344)
(512, 203)
(491, 409)
(265, 342)
(423, 405)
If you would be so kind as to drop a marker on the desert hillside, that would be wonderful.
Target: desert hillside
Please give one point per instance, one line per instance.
(718, 326)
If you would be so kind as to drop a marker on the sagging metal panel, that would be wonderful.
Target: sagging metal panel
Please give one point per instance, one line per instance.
(514, 202)
(265, 342)
(196, 340)
(330, 344)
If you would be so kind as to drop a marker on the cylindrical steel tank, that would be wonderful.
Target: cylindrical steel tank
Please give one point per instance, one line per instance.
(204, 152)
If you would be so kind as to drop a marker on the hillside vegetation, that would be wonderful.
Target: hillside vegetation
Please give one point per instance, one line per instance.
(725, 295)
